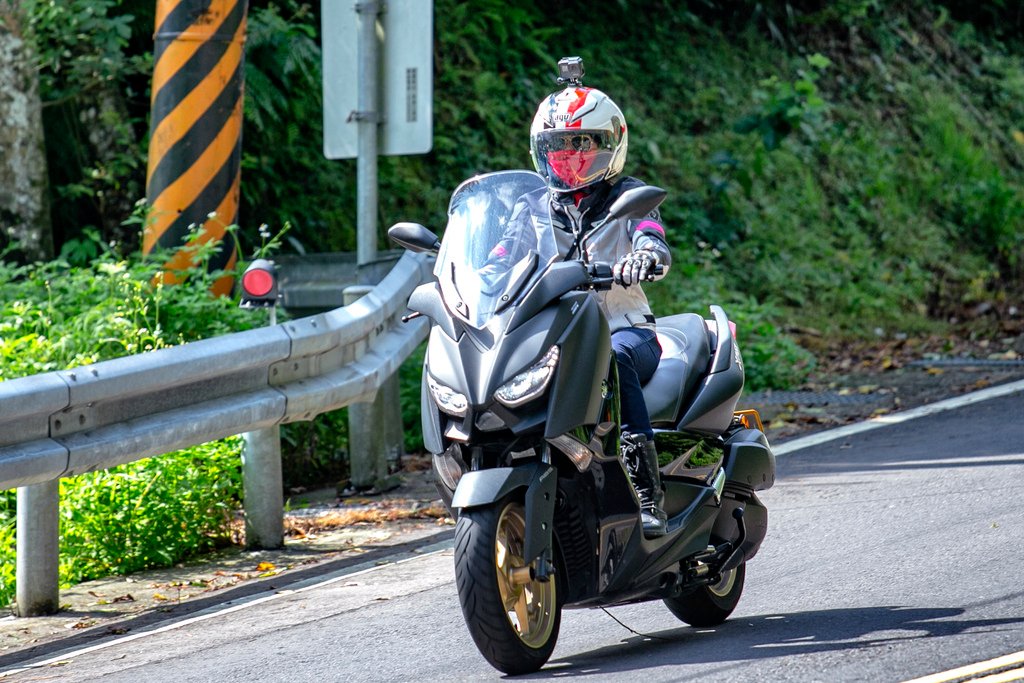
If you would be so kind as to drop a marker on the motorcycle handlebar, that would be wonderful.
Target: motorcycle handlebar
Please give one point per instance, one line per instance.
(601, 278)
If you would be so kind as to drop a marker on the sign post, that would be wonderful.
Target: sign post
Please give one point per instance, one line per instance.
(378, 99)
(367, 118)
(378, 92)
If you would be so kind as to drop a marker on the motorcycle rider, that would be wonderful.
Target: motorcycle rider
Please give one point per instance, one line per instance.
(578, 143)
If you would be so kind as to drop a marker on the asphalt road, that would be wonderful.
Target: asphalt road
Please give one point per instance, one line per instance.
(891, 554)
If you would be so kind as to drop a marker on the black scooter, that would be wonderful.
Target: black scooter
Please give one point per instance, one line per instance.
(521, 412)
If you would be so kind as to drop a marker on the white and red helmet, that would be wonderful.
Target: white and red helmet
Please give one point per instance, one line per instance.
(578, 138)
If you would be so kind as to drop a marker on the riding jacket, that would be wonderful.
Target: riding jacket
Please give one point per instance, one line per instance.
(572, 218)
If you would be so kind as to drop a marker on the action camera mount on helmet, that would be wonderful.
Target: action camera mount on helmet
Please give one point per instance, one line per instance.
(570, 71)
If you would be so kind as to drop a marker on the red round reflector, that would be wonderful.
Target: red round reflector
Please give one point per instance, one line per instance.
(257, 282)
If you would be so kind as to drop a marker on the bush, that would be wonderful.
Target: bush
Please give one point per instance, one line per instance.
(149, 513)
(146, 514)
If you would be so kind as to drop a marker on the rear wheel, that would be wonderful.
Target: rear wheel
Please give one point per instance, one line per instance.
(512, 617)
(711, 604)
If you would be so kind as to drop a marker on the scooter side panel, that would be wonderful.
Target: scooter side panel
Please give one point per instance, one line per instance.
(712, 408)
(750, 463)
(632, 567)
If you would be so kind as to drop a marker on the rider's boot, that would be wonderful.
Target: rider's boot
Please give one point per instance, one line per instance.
(641, 460)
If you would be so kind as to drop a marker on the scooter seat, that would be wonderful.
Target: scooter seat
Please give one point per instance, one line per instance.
(685, 353)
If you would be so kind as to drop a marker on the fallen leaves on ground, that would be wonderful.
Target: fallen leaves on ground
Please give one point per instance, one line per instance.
(79, 625)
(301, 527)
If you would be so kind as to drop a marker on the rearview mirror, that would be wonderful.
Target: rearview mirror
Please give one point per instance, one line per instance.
(414, 237)
(639, 201)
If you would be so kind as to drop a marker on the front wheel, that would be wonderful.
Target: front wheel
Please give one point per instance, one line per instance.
(512, 617)
(710, 604)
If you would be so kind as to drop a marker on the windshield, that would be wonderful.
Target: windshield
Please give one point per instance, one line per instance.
(490, 246)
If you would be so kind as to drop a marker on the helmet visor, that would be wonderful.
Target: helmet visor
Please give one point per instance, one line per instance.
(571, 159)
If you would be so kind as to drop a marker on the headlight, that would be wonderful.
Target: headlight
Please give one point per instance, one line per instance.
(531, 383)
(448, 400)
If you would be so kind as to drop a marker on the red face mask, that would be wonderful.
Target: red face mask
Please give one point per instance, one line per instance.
(571, 167)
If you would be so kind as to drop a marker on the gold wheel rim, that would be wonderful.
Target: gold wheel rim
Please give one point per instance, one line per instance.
(724, 585)
(530, 607)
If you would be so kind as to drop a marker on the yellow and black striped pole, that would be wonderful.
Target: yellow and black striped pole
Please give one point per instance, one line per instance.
(195, 129)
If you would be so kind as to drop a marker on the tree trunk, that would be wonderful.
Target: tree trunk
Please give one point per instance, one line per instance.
(24, 202)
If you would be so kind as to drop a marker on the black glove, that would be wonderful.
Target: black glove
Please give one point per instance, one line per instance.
(634, 267)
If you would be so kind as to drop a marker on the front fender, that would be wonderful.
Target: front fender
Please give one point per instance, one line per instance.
(486, 487)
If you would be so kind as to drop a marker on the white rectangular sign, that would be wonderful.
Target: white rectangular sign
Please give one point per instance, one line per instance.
(406, 86)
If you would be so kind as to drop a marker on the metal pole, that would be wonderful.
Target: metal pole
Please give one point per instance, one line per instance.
(367, 118)
(262, 484)
(262, 492)
(38, 563)
(374, 427)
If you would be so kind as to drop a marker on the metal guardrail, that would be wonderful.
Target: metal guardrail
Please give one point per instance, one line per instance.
(66, 423)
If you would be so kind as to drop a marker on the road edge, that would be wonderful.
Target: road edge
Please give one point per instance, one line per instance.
(800, 443)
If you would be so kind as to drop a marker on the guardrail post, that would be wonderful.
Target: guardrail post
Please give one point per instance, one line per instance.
(38, 578)
(262, 489)
(262, 483)
(374, 428)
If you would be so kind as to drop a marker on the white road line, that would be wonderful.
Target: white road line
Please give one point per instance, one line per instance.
(251, 601)
(1014, 676)
(971, 671)
(896, 418)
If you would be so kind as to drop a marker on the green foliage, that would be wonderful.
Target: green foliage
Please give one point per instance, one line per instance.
(1005, 18)
(143, 515)
(315, 452)
(81, 45)
(54, 316)
(149, 513)
(771, 358)
(282, 156)
(93, 83)
(972, 194)
(410, 377)
(8, 544)
(787, 22)
(784, 106)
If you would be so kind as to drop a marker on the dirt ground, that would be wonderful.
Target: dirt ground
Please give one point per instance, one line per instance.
(858, 381)
(326, 533)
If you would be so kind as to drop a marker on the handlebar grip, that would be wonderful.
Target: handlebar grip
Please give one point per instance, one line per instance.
(602, 279)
